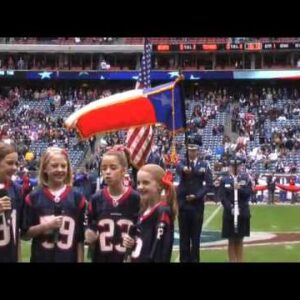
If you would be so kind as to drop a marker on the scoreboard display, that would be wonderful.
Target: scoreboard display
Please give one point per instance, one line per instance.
(231, 46)
(187, 47)
(251, 47)
(281, 46)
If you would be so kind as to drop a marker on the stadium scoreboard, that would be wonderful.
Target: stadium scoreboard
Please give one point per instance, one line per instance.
(210, 47)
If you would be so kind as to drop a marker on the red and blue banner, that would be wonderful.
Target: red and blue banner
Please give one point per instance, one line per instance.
(154, 75)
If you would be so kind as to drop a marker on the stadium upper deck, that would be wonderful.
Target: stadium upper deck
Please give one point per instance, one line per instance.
(139, 40)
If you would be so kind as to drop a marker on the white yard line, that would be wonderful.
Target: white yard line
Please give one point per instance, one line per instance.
(207, 222)
(211, 217)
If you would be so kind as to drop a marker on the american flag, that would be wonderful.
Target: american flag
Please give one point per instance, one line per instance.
(139, 140)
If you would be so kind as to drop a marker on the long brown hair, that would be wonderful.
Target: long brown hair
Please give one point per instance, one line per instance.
(158, 173)
(6, 148)
(120, 155)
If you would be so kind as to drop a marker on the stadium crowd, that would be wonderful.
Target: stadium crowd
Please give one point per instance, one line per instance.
(264, 126)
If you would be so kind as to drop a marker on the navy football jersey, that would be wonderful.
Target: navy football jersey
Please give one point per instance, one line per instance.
(9, 233)
(60, 245)
(156, 235)
(112, 220)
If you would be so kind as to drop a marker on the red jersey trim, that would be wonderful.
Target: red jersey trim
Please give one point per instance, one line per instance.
(123, 199)
(153, 209)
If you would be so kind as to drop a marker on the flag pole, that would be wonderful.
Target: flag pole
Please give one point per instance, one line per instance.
(184, 120)
(173, 146)
(135, 168)
(142, 82)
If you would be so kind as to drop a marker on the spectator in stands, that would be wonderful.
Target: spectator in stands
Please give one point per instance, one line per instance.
(155, 157)
(271, 188)
(10, 63)
(20, 64)
(198, 138)
(215, 130)
(242, 101)
(29, 156)
(103, 65)
(92, 142)
(26, 185)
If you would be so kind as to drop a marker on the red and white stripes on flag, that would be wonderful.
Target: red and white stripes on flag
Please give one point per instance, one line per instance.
(139, 140)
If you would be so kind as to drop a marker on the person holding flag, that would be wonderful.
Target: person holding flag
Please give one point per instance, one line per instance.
(195, 182)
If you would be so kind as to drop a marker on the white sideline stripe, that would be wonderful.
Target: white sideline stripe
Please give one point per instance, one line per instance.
(287, 203)
(209, 219)
(256, 245)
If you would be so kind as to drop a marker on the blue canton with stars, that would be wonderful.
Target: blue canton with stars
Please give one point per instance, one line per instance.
(162, 103)
(144, 75)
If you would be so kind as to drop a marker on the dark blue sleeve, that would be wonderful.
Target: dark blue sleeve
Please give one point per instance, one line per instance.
(92, 217)
(18, 195)
(29, 217)
(136, 205)
(225, 194)
(81, 203)
(162, 247)
(245, 191)
(179, 168)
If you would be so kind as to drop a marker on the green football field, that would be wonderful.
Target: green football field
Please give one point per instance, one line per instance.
(265, 219)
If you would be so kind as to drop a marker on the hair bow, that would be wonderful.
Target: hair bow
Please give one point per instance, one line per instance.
(167, 179)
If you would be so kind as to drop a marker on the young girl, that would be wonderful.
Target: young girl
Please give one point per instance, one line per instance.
(11, 202)
(154, 239)
(54, 213)
(113, 210)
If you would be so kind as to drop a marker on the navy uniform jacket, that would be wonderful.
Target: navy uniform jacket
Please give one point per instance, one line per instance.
(244, 193)
(193, 184)
(39, 205)
(9, 235)
(156, 235)
(111, 221)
